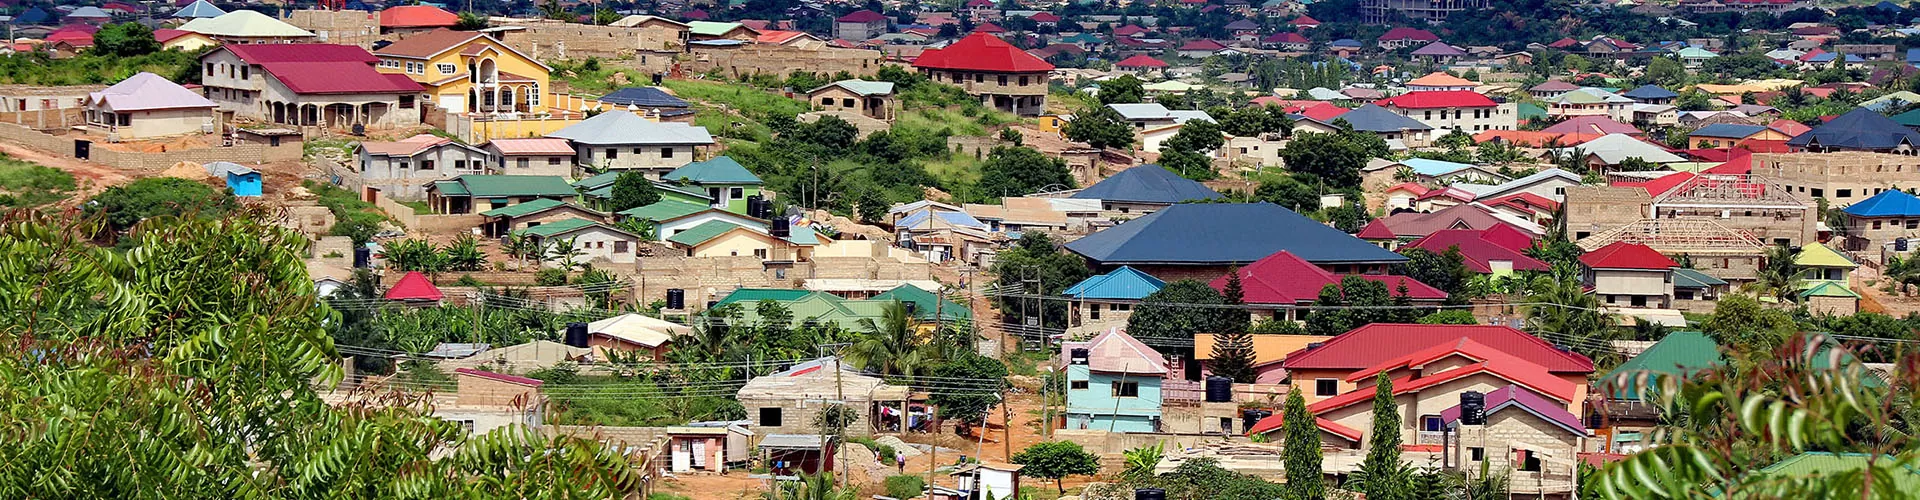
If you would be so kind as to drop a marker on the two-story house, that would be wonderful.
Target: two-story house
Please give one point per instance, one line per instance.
(1113, 383)
(469, 72)
(308, 84)
(1326, 370)
(725, 181)
(399, 169)
(1461, 110)
(1627, 274)
(998, 73)
(621, 140)
(532, 156)
(860, 26)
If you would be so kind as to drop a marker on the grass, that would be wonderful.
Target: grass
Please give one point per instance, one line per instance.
(24, 184)
(339, 148)
(739, 98)
(353, 217)
(419, 207)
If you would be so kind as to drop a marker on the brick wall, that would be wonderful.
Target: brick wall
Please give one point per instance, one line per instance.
(45, 119)
(782, 60)
(243, 154)
(544, 39)
(345, 27)
(482, 391)
(1592, 209)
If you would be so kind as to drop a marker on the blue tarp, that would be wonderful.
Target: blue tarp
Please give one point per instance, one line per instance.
(646, 97)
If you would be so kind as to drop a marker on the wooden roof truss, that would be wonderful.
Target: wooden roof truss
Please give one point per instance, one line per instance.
(1678, 237)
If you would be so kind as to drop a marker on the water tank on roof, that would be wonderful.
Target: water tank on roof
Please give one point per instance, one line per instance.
(1219, 389)
(1473, 408)
(1900, 244)
(1253, 416)
(362, 256)
(1149, 494)
(676, 298)
(911, 307)
(1077, 356)
(576, 334)
(780, 228)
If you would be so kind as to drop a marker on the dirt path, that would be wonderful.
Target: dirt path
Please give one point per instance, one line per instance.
(91, 178)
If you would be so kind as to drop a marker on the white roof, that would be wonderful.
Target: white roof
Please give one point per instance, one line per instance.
(864, 285)
(1614, 148)
(243, 23)
(643, 330)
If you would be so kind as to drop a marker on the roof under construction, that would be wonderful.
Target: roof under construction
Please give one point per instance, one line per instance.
(1727, 192)
(820, 380)
(1697, 237)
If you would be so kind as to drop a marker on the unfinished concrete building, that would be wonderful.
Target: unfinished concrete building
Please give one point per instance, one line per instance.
(1711, 248)
(1755, 205)
(790, 401)
(1842, 178)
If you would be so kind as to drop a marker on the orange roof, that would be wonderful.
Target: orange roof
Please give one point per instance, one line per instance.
(1534, 139)
(1267, 348)
(1441, 79)
(778, 36)
(417, 16)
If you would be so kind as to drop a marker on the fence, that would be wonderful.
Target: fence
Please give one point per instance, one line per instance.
(431, 223)
(129, 160)
(1175, 391)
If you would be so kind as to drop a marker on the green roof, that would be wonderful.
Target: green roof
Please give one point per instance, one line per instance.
(597, 181)
(755, 295)
(1818, 255)
(1825, 288)
(826, 307)
(1678, 354)
(494, 186)
(925, 303)
(1910, 118)
(1829, 464)
(705, 231)
(450, 188)
(722, 170)
(711, 28)
(557, 227)
(601, 186)
(1689, 278)
(525, 209)
(664, 209)
(1529, 111)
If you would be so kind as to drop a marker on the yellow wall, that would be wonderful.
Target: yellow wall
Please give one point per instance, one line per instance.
(736, 242)
(504, 58)
(189, 42)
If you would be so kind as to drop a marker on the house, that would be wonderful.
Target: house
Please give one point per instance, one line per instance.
(1729, 135)
(1237, 233)
(1402, 37)
(505, 220)
(1113, 383)
(709, 447)
(1019, 214)
(652, 103)
(243, 27)
(1595, 125)
(1200, 49)
(821, 308)
(184, 41)
(1656, 114)
(1147, 115)
(1651, 94)
(1345, 48)
(1821, 267)
(198, 9)
(469, 193)
(999, 74)
(1589, 101)
(621, 140)
(408, 20)
(1396, 128)
(415, 289)
(532, 156)
(634, 336)
(859, 25)
(1439, 53)
(1611, 149)
(1279, 286)
(1346, 363)
(712, 30)
(1287, 41)
(146, 106)
(484, 401)
(796, 454)
(1104, 299)
(1858, 130)
(1144, 189)
(1440, 81)
(796, 39)
(399, 169)
(1625, 274)
(307, 84)
(1549, 184)
(1401, 196)
(1499, 250)
(1695, 291)
(596, 242)
(1139, 63)
(984, 480)
(720, 238)
(1452, 109)
(870, 99)
(242, 180)
(1427, 381)
(1515, 427)
(790, 401)
(1391, 231)
(1269, 350)
(724, 180)
(1623, 391)
(1882, 220)
(468, 71)
(1550, 89)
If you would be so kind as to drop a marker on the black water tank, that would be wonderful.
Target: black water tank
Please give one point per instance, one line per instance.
(779, 228)
(1077, 356)
(676, 298)
(1149, 494)
(1253, 416)
(1219, 389)
(1473, 408)
(753, 206)
(911, 307)
(362, 257)
(1900, 244)
(577, 334)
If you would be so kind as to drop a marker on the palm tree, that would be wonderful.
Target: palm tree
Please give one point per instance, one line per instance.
(519, 247)
(566, 252)
(890, 345)
(464, 254)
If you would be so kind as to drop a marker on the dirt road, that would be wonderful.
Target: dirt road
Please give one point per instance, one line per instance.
(91, 178)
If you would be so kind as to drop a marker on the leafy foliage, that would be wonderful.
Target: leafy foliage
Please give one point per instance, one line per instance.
(1167, 313)
(1335, 158)
(1020, 171)
(1301, 449)
(1446, 271)
(1383, 444)
(1055, 460)
(125, 205)
(1036, 257)
(632, 189)
(1357, 291)
(125, 40)
(1100, 127)
(28, 185)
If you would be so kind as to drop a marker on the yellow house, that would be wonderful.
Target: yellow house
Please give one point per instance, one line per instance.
(469, 72)
(717, 238)
(184, 41)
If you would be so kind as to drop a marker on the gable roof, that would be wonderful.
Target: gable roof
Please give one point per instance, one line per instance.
(1113, 351)
(1373, 118)
(1689, 278)
(1727, 131)
(1147, 184)
(1433, 99)
(495, 186)
(1140, 61)
(1285, 37)
(199, 9)
(531, 146)
(1285, 279)
(1434, 168)
(530, 208)
(1375, 343)
(696, 235)
(1614, 148)
(623, 127)
(1678, 354)
(1125, 283)
(322, 68)
(861, 87)
(981, 52)
(1516, 397)
(1829, 464)
(1825, 288)
(926, 304)
(416, 16)
(1490, 361)
(1889, 203)
(861, 16)
(1406, 33)
(1591, 124)
(665, 209)
(1438, 49)
(148, 91)
(1626, 255)
(1463, 216)
(1440, 79)
(1277, 421)
(1224, 233)
(413, 286)
(645, 97)
(1553, 86)
(1478, 252)
(1858, 129)
(635, 328)
(719, 170)
(1650, 92)
(243, 23)
(714, 28)
(1819, 255)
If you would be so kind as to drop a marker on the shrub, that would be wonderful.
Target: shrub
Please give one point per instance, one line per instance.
(551, 277)
(905, 486)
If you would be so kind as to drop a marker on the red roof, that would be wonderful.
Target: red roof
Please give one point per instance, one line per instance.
(1044, 17)
(1624, 255)
(989, 28)
(1492, 361)
(982, 52)
(122, 7)
(696, 15)
(1324, 112)
(1288, 37)
(1405, 33)
(1140, 61)
(1526, 138)
(1276, 421)
(1512, 238)
(862, 16)
(1410, 187)
(1375, 343)
(1524, 201)
(417, 16)
(1128, 30)
(1739, 161)
(414, 286)
(163, 35)
(1789, 127)
(74, 37)
(1563, 43)
(301, 52)
(1376, 230)
(1305, 21)
(338, 78)
(1477, 250)
(1202, 44)
(511, 379)
(1438, 99)
(1284, 278)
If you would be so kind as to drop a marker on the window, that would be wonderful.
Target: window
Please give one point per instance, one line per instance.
(1431, 423)
(1876, 224)
(826, 101)
(1325, 387)
(459, 164)
(446, 69)
(1476, 454)
(1913, 223)
(1003, 79)
(1023, 81)
(736, 193)
(769, 417)
(760, 253)
(406, 102)
(246, 72)
(1094, 311)
(522, 163)
(404, 165)
(666, 152)
(209, 69)
(553, 160)
(979, 78)
(1122, 307)
(846, 103)
(1528, 462)
(426, 164)
(1683, 294)
(1843, 193)
(636, 150)
(620, 247)
(1126, 389)
(1819, 193)
(613, 153)
(1078, 385)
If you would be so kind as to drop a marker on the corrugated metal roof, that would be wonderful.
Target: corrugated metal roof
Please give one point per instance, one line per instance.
(1125, 283)
(1147, 184)
(720, 170)
(622, 127)
(664, 209)
(708, 230)
(1372, 344)
(523, 209)
(1679, 354)
(554, 228)
(1889, 203)
(243, 23)
(1819, 255)
(1858, 129)
(645, 97)
(1223, 234)
(1830, 464)
(495, 186)
(1113, 351)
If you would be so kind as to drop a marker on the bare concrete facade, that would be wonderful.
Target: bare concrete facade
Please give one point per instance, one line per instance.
(1842, 178)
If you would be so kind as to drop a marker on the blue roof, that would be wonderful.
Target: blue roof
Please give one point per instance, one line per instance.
(34, 15)
(1727, 131)
(1433, 168)
(1373, 118)
(1147, 184)
(1345, 42)
(1649, 92)
(199, 9)
(1860, 129)
(1889, 203)
(1913, 55)
(1829, 57)
(1887, 6)
(1125, 283)
(916, 219)
(1225, 233)
(645, 97)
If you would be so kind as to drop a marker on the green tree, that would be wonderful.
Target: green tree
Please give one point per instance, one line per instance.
(1188, 164)
(890, 345)
(1100, 127)
(125, 40)
(1166, 313)
(1561, 305)
(1232, 357)
(1123, 90)
(471, 21)
(1301, 449)
(976, 376)
(1382, 463)
(632, 189)
(464, 254)
(127, 204)
(1036, 258)
(1334, 158)
(551, 9)
(1376, 305)
(1020, 171)
(1665, 72)
(1288, 192)
(1446, 271)
(1056, 460)
(1741, 322)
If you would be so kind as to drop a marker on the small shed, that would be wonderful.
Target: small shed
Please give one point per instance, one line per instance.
(793, 454)
(242, 180)
(709, 446)
(987, 480)
(633, 333)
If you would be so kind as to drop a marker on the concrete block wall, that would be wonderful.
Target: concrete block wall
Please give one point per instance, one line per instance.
(782, 60)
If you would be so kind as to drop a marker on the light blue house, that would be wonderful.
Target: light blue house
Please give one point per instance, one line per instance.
(1110, 297)
(242, 180)
(1113, 383)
